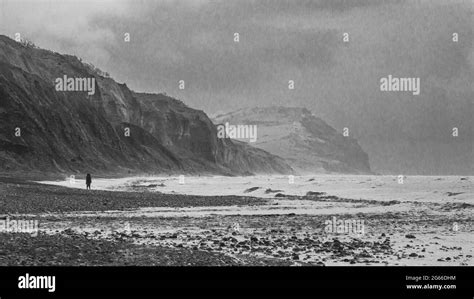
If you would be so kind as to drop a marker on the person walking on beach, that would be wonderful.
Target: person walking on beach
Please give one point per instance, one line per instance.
(88, 181)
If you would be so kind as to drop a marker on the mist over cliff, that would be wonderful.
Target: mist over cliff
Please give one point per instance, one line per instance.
(305, 141)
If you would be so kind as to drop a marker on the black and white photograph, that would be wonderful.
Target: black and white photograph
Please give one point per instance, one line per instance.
(237, 133)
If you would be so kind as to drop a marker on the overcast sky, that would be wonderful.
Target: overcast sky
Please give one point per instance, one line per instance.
(283, 40)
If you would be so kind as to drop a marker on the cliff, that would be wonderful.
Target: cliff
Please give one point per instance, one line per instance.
(305, 141)
(113, 130)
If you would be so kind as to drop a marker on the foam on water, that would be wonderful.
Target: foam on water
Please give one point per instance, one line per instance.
(369, 187)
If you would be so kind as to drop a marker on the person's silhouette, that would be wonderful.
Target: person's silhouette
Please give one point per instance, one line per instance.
(88, 181)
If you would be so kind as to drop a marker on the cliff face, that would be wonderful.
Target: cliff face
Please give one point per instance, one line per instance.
(75, 132)
(190, 132)
(305, 141)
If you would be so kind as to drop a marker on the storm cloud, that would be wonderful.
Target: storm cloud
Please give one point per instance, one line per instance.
(282, 40)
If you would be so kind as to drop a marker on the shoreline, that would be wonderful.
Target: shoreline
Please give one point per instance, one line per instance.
(287, 230)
